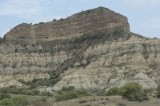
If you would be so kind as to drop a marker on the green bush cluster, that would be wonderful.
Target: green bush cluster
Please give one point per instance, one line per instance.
(25, 91)
(158, 91)
(14, 90)
(18, 101)
(113, 91)
(37, 82)
(67, 93)
(4, 95)
(21, 101)
(40, 102)
(132, 91)
(68, 88)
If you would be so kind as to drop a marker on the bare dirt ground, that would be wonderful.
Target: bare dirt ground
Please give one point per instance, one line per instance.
(107, 101)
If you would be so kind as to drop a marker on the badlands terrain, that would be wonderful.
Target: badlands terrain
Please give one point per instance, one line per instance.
(90, 50)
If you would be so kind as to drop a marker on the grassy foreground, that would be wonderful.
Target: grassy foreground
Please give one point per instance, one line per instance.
(129, 93)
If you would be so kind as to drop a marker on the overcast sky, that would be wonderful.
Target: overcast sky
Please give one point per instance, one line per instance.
(143, 15)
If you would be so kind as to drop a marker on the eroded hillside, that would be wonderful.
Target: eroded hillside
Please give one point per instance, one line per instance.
(93, 49)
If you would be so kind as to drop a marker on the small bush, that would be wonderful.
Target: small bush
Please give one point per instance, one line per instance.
(82, 101)
(121, 104)
(25, 91)
(66, 96)
(40, 102)
(43, 99)
(46, 94)
(19, 101)
(14, 102)
(132, 91)
(36, 82)
(113, 91)
(158, 91)
(6, 102)
(67, 93)
(68, 88)
(4, 95)
(100, 93)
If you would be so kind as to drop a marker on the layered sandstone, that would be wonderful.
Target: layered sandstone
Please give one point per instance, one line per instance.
(93, 49)
(82, 23)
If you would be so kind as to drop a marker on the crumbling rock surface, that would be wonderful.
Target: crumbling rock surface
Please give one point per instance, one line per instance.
(93, 49)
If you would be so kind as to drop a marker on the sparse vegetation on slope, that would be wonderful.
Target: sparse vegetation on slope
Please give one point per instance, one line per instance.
(158, 91)
(25, 91)
(18, 101)
(67, 93)
(131, 91)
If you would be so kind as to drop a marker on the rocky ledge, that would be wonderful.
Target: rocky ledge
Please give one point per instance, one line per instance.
(93, 49)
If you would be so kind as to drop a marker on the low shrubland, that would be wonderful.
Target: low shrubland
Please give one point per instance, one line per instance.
(131, 91)
(67, 93)
(158, 91)
(18, 101)
(24, 91)
(36, 82)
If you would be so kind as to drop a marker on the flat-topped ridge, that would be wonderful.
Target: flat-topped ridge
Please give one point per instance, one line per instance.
(92, 20)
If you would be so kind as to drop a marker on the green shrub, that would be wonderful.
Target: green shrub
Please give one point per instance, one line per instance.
(36, 82)
(4, 95)
(43, 99)
(46, 94)
(68, 88)
(66, 96)
(19, 101)
(113, 91)
(40, 102)
(100, 93)
(82, 93)
(7, 102)
(121, 104)
(149, 92)
(14, 90)
(24, 91)
(132, 91)
(67, 93)
(158, 91)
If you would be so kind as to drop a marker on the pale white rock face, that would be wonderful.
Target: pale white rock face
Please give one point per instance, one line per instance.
(111, 63)
(145, 81)
(89, 78)
(93, 49)
(8, 83)
(140, 78)
(27, 66)
(115, 64)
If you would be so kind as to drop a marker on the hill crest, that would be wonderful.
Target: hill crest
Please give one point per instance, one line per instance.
(89, 21)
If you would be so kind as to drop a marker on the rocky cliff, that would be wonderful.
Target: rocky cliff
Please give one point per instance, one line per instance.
(89, 21)
(93, 49)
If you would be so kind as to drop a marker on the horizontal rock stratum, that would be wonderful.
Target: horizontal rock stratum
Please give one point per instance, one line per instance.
(89, 21)
(93, 49)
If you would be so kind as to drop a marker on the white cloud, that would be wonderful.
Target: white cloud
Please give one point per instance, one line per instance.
(136, 4)
(30, 9)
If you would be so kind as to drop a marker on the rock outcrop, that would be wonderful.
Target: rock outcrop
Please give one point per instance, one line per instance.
(93, 49)
(89, 21)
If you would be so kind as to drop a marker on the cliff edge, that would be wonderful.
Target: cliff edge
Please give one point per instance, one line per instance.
(89, 21)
